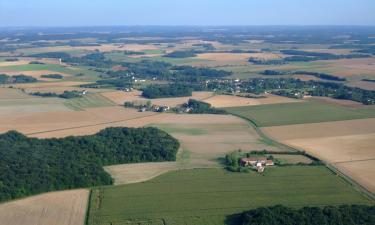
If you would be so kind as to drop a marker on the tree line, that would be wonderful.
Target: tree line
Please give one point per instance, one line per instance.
(323, 76)
(5, 79)
(328, 215)
(31, 166)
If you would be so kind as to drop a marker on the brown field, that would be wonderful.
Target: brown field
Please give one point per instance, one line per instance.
(15, 63)
(57, 208)
(139, 172)
(10, 93)
(50, 84)
(220, 101)
(363, 84)
(353, 67)
(345, 144)
(67, 123)
(120, 97)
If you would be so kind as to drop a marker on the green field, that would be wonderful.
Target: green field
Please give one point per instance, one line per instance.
(298, 113)
(207, 196)
(89, 100)
(36, 67)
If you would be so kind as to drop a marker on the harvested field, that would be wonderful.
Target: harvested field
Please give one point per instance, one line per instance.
(57, 208)
(353, 67)
(11, 93)
(120, 97)
(326, 129)
(15, 63)
(345, 144)
(49, 85)
(138, 172)
(207, 137)
(61, 124)
(221, 101)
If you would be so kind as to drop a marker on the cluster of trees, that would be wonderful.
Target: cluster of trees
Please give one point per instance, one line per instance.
(199, 107)
(5, 79)
(258, 61)
(290, 87)
(181, 54)
(369, 80)
(305, 56)
(167, 91)
(57, 55)
(66, 94)
(30, 165)
(328, 215)
(315, 74)
(53, 76)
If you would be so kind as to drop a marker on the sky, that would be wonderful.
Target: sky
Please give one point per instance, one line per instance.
(185, 12)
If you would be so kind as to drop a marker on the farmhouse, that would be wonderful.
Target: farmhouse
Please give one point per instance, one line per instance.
(257, 163)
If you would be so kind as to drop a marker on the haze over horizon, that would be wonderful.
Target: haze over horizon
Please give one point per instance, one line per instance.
(23, 13)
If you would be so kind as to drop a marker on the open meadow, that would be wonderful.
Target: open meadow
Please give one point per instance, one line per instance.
(209, 196)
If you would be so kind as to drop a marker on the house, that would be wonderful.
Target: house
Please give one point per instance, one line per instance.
(257, 163)
(143, 109)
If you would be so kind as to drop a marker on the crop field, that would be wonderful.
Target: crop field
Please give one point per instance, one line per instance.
(208, 137)
(203, 138)
(38, 67)
(77, 50)
(62, 123)
(298, 113)
(208, 196)
(90, 100)
(58, 208)
(221, 101)
(348, 145)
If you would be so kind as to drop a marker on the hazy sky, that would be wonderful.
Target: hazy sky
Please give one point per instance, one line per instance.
(186, 12)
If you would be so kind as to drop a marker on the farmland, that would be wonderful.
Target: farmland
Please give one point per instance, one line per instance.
(222, 67)
(299, 113)
(348, 145)
(59, 208)
(207, 196)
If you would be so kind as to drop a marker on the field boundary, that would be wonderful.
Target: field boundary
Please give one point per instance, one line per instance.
(88, 206)
(330, 166)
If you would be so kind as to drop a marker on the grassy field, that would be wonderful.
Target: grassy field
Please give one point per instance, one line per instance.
(34, 67)
(208, 196)
(298, 113)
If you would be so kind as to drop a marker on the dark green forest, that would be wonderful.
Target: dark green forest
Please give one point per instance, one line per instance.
(31, 166)
(329, 215)
(199, 107)
(167, 91)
